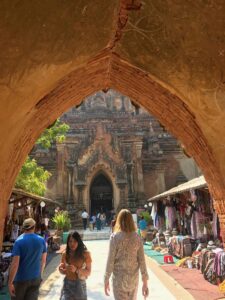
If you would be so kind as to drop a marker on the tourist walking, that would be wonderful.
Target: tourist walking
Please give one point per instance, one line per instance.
(28, 262)
(85, 217)
(45, 221)
(92, 222)
(98, 222)
(76, 265)
(125, 258)
(103, 220)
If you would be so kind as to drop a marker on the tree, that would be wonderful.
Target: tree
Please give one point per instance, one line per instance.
(55, 132)
(32, 178)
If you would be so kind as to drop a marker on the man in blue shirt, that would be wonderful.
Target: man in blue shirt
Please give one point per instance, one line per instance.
(29, 258)
(143, 228)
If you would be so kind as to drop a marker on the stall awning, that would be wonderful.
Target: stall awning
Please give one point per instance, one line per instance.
(19, 194)
(195, 183)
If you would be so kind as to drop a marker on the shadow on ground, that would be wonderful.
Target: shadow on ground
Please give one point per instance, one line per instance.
(53, 260)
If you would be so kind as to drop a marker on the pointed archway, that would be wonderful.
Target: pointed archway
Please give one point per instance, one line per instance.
(105, 71)
(101, 193)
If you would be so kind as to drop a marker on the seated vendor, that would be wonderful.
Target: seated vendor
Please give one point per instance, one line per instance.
(143, 228)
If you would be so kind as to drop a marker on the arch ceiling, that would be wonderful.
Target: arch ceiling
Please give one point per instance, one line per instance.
(169, 56)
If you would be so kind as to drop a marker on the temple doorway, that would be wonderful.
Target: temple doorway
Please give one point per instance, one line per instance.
(101, 194)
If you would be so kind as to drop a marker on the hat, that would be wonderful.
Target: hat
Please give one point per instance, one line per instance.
(211, 245)
(28, 223)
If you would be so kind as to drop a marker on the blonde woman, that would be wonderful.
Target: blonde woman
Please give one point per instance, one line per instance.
(125, 258)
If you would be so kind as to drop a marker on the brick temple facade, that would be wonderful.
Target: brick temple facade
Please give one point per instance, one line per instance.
(115, 155)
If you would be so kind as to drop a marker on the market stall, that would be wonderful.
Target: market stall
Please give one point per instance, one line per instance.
(189, 223)
(22, 205)
(188, 208)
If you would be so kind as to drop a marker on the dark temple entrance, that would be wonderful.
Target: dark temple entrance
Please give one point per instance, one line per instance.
(101, 194)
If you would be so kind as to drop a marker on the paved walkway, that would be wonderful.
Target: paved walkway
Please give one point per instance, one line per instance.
(53, 279)
(194, 282)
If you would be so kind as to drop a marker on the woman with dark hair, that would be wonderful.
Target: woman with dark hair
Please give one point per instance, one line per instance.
(76, 265)
(125, 259)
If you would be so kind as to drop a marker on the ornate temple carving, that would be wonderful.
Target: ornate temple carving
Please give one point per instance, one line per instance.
(113, 156)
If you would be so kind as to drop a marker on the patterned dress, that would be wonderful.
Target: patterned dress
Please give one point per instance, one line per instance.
(125, 258)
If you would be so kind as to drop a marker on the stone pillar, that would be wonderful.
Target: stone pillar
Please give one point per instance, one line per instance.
(70, 167)
(122, 104)
(123, 201)
(139, 169)
(80, 194)
(80, 186)
(138, 146)
(130, 179)
(61, 171)
(161, 180)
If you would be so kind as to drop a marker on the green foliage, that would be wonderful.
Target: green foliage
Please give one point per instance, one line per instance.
(32, 178)
(146, 216)
(56, 132)
(61, 220)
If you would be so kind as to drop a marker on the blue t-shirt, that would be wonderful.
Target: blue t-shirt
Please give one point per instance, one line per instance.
(142, 224)
(29, 247)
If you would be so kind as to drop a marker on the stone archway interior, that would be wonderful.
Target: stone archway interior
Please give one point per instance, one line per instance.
(176, 72)
(101, 194)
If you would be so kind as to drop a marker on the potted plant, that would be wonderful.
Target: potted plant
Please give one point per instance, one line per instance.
(62, 222)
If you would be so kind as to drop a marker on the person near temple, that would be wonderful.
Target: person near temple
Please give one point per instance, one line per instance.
(85, 217)
(125, 259)
(28, 262)
(76, 266)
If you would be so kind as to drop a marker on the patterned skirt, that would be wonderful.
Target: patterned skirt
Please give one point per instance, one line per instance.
(74, 290)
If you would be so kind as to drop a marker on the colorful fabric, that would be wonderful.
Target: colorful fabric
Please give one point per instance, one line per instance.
(182, 262)
(142, 224)
(143, 234)
(157, 256)
(209, 273)
(219, 264)
(222, 287)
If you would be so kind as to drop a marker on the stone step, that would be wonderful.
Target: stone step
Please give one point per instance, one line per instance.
(96, 235)
(90, 235)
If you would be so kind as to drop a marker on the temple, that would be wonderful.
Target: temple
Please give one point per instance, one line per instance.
(115, 155)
